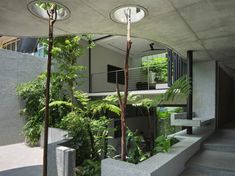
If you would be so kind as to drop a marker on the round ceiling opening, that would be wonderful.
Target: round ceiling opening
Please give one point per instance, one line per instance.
(39, 9)
(119, 13)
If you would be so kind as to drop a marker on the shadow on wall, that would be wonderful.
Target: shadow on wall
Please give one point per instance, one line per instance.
(23, 171)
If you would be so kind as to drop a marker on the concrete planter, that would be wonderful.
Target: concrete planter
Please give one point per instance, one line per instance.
(162, 164)
(61, 158)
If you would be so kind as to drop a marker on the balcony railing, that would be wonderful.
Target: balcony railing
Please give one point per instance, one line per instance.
(140, 78)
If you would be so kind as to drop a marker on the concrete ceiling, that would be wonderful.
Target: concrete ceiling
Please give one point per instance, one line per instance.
(140, 47)
(206, 26)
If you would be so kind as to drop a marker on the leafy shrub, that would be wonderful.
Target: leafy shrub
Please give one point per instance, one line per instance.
(88, 127)
(33, 96)
(134, 151)
(77, 128)
(163, 144)
(32, 131)
(89, 168)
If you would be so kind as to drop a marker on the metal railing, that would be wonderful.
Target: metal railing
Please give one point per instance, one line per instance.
(140, 78)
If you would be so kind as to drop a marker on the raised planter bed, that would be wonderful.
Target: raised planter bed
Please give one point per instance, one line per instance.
(161, 164)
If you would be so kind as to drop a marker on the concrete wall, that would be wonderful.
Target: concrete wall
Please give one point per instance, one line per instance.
(15, 68)
(204, 86)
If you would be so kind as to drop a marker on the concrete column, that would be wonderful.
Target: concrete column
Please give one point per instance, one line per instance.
(190, 97)
(66, 160)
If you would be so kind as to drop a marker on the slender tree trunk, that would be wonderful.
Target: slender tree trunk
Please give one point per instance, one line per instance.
(150, 134)
(123, 140)
(52, 14)
(123, 102)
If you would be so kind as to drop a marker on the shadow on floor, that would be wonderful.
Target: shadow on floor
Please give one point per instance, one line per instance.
(23, 171)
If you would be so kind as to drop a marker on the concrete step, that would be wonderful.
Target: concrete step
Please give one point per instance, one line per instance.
(222, 140)
(197, 172)
(219, 147)
(212, 163)
(217, 157)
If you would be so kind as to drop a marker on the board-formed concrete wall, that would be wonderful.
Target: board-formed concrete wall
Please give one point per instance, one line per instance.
(15, 68)
(204, 87)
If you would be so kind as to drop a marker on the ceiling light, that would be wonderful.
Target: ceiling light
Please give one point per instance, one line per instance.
(39, 9)
(119, 14)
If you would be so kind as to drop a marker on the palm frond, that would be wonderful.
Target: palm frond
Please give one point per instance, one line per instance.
(179, 89)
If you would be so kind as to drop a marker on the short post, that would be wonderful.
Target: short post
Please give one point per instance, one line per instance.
(65, 161)
(190, 97)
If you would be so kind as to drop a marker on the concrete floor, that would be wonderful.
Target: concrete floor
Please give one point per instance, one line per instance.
(20, 160)
(216, 158)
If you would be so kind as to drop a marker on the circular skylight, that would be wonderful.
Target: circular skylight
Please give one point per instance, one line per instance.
(137, 13)
(39, 9)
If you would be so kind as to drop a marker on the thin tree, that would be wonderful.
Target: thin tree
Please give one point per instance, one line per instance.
(52, 14)
(123, 100)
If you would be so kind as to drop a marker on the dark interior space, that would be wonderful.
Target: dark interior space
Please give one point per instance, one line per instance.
(225, 99)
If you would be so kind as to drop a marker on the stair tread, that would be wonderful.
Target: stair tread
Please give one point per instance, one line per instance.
(197, 172)
(214, 159)
(192, 172)
(217, 157)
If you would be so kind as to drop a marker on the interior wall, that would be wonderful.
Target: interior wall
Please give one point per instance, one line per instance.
(226, 94)
(204, 89)
(100, 58)
(15, 68)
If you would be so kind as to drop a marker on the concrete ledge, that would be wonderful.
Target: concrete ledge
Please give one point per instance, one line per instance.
(162, 164)
(179, 119)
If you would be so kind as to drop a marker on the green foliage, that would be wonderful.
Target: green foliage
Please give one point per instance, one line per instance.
(32, 131)
(134, 151)
(47, 5)
(33, 93)
(180, 89)
(163, 144)
(163, 117)
(144, 102)
(89, 168)
(158, 66)
(77, 127)
(33, 96)
(66, 52)
(64, 79)
(88, 126)
(163, 114)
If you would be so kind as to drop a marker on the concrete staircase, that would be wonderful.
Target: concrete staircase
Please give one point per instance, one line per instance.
(217, 157)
